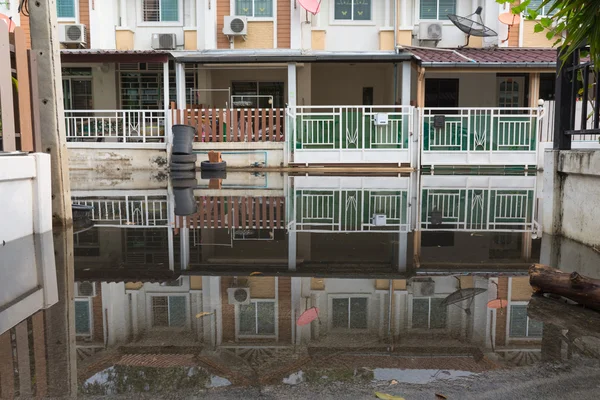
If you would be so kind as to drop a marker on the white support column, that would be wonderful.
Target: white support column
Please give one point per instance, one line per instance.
(406, 75)
(292, 245)
(297, 25)
(211, 302)
(184, 247)
(180, 85)
(292, 85)
(171, 223)
(168, 122)
(402, 251)
(296, 304)
(123, 13)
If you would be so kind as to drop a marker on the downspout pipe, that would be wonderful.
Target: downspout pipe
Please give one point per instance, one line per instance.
(396, 26)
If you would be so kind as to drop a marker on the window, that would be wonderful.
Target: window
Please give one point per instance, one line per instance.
(77, 93)
(437, 9)
(257, 94)
(352, 10)
(521, 326)
(160, 10)
(65, 9)
(83, 317)
(257, 318)
(349, 313)
(534, 5)
(169, 311)
(254, 8)
(143, 90)
(428, 313)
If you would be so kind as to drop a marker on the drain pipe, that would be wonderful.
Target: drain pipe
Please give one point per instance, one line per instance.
(396, 51)
(396, 26)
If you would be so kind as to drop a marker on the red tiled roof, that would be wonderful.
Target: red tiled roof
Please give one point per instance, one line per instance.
(503, 55)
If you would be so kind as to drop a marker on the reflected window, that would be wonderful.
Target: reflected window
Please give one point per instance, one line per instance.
(349, 313)
(521, 326)
(428, 313)
(257, 318)
(83, 317)
(169, 311)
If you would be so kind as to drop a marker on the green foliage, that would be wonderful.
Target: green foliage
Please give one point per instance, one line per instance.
(573, 21)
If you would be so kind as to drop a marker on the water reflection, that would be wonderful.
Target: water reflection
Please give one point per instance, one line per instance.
(406, 273)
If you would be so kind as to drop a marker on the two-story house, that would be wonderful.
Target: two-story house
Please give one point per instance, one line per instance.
(338, 86)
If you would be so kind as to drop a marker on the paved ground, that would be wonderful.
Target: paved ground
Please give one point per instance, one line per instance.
(579, 381)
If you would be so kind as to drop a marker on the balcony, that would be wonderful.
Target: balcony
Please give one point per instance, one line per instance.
(480, 136)
(115, 126)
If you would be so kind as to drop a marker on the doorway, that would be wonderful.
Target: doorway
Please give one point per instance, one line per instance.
(441, 93)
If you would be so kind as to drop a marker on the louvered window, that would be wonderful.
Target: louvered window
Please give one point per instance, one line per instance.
(437, 9)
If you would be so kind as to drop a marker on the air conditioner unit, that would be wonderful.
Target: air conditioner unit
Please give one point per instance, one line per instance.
(423, 288)
(85, 289)
(235, 26)
(71, 33)
(430, 31)
(164, 41)
(238, 295)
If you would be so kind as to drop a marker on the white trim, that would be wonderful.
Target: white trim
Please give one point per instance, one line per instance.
(411, 298)
(91, 316)
(68, 19)
(444, 22)
(351, 22)
(253, 18)
(150, 311)
(275, 336)
(349, 297)
(140, 16)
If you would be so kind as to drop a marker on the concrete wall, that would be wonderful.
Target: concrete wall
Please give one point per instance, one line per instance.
(25, 203)
(342, 84)
(571, 193)
(474, 90)
(243, 154)
(144, 30)
(117, 159)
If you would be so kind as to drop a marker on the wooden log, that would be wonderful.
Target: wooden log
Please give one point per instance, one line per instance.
(573, 286)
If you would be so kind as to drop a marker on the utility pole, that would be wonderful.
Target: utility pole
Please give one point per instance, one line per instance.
(45, 45)
(60, 318)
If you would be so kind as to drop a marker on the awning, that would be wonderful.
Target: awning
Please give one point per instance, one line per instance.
(103, 56)
(286, 56)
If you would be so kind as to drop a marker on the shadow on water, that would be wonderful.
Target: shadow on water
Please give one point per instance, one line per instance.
(404, 273)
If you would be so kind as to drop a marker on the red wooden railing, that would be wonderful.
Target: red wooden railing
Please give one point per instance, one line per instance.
(233, 124)
(236, 212)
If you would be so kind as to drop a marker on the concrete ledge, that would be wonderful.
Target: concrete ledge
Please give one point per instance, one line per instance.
(123, 159)
(109, 145)
(580, 162)
(239, 145)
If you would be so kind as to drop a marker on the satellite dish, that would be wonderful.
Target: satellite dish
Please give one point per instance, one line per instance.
(509, 19)
(471, 26)
(312, 6)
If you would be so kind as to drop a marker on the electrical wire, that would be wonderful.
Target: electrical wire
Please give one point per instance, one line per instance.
(23, 7)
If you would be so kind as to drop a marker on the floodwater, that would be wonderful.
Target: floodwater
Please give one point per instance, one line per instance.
(388, 283)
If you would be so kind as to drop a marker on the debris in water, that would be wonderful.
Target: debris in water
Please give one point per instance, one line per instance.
(385, 396)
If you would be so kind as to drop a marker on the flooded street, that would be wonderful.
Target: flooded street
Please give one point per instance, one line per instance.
(281, 286)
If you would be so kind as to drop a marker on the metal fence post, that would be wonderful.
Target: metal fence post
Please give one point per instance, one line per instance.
(565, 97)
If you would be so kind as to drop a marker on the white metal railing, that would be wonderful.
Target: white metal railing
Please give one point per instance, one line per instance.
(350, 210)
(350, 127)
(117, 126)
(127, 211)
(480, 129)
(547, 126)
(478, 209)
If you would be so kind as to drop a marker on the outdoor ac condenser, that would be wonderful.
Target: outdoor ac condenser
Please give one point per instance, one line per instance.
(238, 295)
(72, 34)
(164, 41)
(235, 26)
